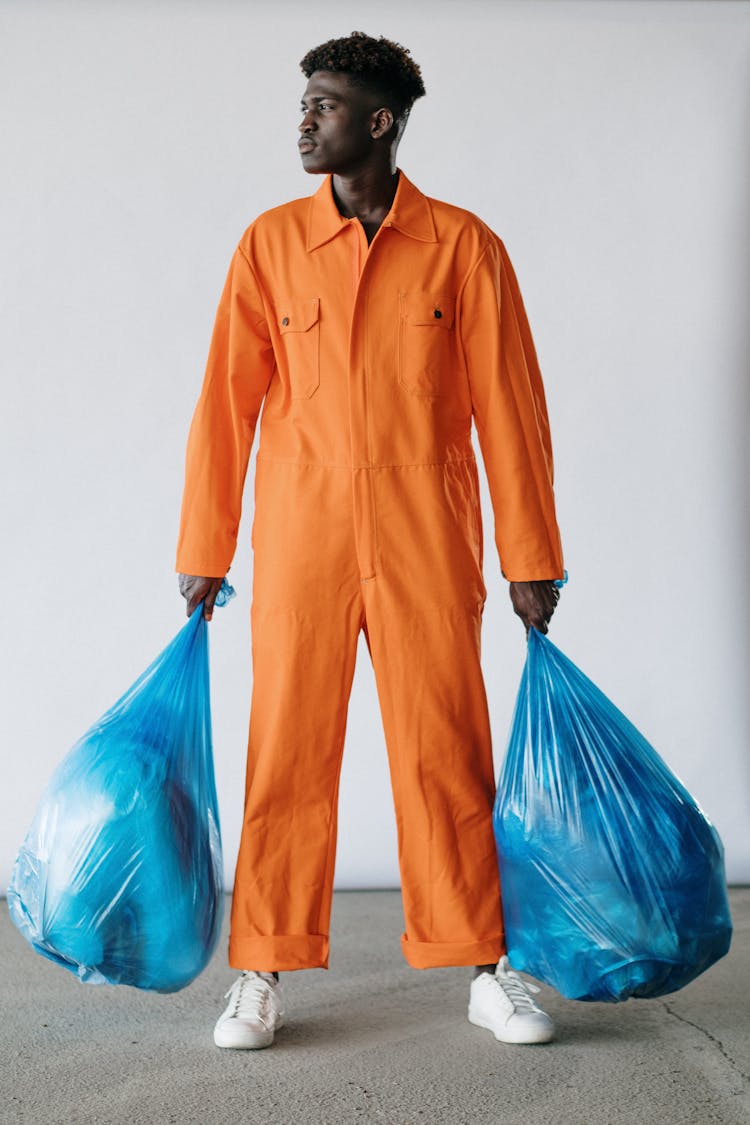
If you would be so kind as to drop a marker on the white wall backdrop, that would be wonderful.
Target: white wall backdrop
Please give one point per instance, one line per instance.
(605, 141)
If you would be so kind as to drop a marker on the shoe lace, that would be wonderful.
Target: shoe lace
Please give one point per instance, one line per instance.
(250, 994)
(517, 990)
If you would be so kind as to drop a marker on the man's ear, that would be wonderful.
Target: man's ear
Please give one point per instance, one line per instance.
(382, 122)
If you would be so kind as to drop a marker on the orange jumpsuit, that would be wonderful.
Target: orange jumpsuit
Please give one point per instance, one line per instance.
(371, 363)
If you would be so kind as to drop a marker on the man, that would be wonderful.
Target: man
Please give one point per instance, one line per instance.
(373, 323)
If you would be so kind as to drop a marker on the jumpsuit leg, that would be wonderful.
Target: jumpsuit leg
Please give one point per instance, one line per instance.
(423, 612)
(421, 606)
(306, 619)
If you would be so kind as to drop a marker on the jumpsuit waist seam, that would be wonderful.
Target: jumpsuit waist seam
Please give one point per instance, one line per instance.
(336, 465)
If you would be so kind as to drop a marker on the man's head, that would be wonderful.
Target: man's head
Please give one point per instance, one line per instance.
(357, 101)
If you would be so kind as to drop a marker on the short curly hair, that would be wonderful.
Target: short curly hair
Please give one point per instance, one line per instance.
(380, 65)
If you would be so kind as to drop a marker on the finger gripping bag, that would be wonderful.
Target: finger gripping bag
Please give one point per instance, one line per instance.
(612, 876)
(119, 878)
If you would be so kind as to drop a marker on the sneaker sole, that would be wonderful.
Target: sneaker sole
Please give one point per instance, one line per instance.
(542, 1035)
(242, 1039)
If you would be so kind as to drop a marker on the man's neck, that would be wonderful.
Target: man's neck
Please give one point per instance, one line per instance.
(367, 196)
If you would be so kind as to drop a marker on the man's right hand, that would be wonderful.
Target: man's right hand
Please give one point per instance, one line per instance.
(195, 589)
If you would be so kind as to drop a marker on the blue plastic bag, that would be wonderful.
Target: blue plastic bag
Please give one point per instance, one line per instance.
(612, 876)
(120, 876)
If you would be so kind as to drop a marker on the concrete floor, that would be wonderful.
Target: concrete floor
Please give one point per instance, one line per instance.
(371, 1040)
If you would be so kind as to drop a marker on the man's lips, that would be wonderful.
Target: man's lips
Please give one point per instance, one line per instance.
(305, 143)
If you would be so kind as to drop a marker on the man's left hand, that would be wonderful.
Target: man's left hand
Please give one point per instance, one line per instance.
(534, 602)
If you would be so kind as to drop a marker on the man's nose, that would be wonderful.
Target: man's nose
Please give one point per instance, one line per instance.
(307, 124)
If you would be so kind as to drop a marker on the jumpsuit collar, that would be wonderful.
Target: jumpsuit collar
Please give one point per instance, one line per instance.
(410, 213)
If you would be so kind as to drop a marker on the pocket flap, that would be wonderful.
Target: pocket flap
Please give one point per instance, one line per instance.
(297, 314)
(434, 309)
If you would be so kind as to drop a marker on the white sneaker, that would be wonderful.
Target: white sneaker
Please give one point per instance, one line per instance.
(254, 1011)
(503, 1004)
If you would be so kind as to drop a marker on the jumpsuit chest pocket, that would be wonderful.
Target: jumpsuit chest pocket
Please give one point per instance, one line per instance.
(298, 323)
(426, 343)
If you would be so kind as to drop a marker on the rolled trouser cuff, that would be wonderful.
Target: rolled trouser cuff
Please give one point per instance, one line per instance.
(283, 952)
(443, 954)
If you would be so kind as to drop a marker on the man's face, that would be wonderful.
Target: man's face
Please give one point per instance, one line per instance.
(336, 124)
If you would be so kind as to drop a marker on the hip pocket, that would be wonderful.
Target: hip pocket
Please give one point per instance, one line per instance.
(426, 348)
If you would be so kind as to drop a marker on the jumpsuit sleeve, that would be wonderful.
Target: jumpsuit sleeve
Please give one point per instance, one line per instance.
(238, 372)
(510, 415)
